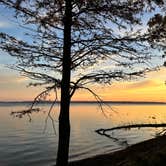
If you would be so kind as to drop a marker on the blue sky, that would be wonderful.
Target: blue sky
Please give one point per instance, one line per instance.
(13, 86)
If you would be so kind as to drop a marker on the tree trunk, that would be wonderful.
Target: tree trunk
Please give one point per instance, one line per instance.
(64, 119)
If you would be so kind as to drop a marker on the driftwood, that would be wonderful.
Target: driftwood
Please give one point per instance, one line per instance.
(103, 131)
(131, 126)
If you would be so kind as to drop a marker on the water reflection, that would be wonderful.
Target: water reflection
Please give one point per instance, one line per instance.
(25, 142)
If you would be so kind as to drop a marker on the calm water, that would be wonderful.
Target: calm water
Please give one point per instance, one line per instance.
(25, 143)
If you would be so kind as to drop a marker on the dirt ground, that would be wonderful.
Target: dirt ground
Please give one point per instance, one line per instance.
(147, 153)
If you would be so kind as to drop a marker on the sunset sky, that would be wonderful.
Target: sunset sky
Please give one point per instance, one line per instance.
(14, 87)
(151, 88)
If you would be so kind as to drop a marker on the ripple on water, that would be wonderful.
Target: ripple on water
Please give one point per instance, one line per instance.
(23, 143)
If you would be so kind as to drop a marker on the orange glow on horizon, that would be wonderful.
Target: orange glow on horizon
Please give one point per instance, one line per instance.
(151, 89)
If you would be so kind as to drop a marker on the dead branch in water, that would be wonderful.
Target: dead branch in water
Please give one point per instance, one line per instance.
(103, 131)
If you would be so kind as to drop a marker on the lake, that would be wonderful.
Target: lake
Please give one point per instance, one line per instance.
(24, 143)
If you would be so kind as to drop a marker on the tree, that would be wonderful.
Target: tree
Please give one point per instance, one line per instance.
(70, 42)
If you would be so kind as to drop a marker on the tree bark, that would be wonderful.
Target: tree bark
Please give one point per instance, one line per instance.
(64, 117)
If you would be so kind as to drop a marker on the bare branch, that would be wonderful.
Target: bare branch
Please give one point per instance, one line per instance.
(49, 114)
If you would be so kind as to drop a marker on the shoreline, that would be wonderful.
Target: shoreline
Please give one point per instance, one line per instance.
(147, 153)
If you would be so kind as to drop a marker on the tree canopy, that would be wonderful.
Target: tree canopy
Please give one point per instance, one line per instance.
(104, 33)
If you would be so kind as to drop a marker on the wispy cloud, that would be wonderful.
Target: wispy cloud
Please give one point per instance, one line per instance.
(8, 79)
(144, 84)
(22, 79)
(5, 24)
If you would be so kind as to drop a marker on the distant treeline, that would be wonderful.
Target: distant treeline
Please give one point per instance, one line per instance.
(91, 102)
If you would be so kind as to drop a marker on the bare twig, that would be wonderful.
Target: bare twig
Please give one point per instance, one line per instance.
(49, 114)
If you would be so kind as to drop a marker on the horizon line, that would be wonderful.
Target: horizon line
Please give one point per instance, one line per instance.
(82, 101)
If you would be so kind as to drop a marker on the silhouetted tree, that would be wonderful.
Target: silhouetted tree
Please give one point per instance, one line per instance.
(79, 42)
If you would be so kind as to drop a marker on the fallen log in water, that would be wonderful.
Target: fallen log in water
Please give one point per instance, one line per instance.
(155, 125)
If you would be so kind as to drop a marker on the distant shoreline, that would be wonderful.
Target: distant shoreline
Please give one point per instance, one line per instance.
(85, 102)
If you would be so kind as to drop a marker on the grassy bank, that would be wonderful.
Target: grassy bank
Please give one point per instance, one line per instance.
(147, 153)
